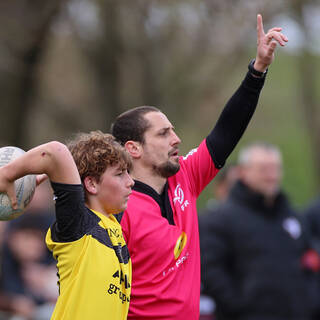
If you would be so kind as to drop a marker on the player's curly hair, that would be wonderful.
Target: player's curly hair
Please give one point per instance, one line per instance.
(94, 152)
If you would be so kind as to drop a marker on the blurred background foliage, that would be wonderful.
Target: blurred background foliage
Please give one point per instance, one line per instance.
(73, 65)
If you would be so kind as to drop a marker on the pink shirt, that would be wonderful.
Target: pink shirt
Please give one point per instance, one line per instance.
(166, 258)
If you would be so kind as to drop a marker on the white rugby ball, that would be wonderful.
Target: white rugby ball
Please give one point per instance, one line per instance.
(24, 186)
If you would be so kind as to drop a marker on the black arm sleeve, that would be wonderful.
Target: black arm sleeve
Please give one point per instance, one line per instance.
(234, 119)
(73, 218)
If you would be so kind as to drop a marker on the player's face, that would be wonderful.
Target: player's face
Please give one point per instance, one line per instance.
(160, 149)
(114, 189)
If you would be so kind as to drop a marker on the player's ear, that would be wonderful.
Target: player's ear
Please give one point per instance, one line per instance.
(90, 185)
(134, 148)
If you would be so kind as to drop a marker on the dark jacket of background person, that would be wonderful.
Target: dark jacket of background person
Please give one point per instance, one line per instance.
(312, 216)
(220, 191)
(17, 268)
(252, 259)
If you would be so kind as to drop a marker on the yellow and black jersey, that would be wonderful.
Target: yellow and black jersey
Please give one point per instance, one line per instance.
(94, 266)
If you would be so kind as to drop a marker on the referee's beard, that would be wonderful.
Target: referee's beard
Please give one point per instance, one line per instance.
(167, 169)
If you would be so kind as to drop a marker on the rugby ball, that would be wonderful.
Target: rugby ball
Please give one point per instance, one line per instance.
(24, 186)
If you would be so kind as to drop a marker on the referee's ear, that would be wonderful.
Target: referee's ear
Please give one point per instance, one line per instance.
(134, 148)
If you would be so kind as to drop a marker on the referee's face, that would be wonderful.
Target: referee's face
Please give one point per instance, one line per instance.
(161, 146)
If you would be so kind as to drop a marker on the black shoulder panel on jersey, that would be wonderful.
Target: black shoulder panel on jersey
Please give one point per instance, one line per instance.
(88, 221)
(161, 199)
(119, 216)
(103, 237)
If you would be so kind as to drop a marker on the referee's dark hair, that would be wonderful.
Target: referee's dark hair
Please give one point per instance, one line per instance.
(131, 124)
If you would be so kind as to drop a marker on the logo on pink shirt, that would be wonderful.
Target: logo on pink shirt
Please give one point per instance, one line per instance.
(179, 197)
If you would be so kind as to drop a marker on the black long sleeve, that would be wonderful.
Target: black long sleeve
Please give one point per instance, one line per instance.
(234, 119)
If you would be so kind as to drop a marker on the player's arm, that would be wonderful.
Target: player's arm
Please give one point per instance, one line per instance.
(53, 159)
(237, 113)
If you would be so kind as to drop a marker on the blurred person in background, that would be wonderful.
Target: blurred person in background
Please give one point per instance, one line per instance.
(255, 249)
(161, 223)
(28, 272)
(28, 277)
(312, 216)
(5, 301)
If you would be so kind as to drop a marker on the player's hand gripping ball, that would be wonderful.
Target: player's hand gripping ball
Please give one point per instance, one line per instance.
(24, 186)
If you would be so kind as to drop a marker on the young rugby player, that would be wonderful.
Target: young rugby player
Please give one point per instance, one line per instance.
(90, 183)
